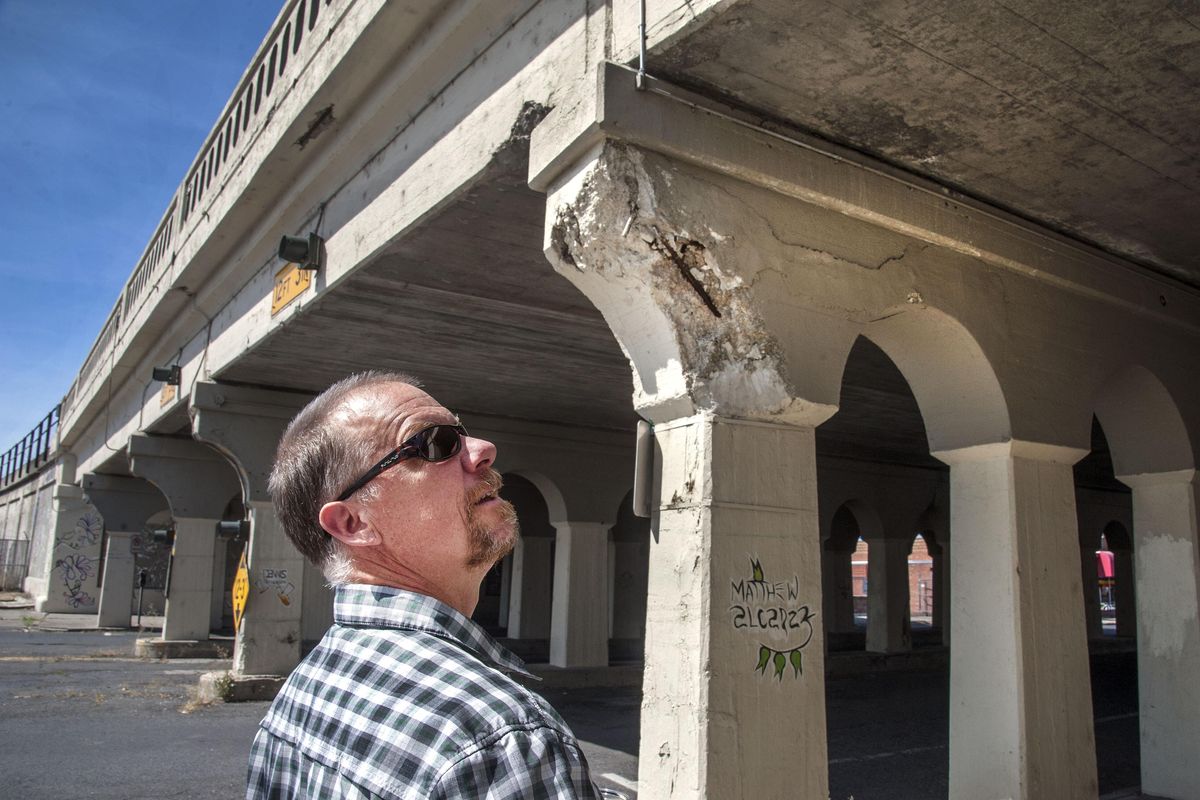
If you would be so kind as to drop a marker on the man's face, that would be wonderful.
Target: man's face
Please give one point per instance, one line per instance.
(434, 519)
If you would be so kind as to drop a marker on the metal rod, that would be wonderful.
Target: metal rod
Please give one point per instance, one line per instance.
(640, 81)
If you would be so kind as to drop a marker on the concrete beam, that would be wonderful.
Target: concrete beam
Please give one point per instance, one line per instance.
(245, 424)
(125, 503)
(196, 481)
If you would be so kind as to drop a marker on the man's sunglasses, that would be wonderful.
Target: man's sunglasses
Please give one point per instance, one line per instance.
(434, 444)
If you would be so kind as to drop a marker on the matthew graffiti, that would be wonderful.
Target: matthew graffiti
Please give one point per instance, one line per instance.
(75, 570)
(781, 624)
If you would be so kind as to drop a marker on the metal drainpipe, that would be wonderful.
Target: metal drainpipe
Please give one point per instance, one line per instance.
(640, 81)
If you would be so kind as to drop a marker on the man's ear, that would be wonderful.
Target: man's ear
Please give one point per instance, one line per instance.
(344, 523)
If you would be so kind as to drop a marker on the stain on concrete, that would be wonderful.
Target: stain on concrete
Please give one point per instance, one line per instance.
(1166, 618)
(322, 121)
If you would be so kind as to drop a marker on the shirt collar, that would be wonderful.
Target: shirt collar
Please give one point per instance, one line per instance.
(361, 605)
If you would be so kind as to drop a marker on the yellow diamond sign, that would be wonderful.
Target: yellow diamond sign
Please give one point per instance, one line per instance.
(241, 591)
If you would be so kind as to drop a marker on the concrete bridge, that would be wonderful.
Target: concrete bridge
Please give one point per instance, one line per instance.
(869, 271)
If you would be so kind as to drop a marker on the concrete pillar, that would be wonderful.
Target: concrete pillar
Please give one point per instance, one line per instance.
(216, 615)
(629, 588)
(125, 504)
(198, 484)
(1090, 581)
(1020, 694)
(268, 641)
(189, 593)
(838, 588)
(1167, 560)
(117, 586)
(246, 424)
(734, 694)
(579, 613)
(1126, 592)
(889, 624)
(530, 600)
(941, 596)
(74, 556)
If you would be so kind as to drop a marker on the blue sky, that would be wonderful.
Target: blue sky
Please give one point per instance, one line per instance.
(105, 104)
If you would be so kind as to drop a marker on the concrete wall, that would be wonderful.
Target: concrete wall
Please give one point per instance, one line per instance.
(25, 529)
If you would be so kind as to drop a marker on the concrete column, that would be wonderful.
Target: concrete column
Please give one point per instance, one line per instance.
(1126, 593)
(125, 504)
(530, 600)
(734, 693)
(837, 578)
(629, 589)
(246, 425)
(116, 589)
(579, 614)
(74, 556)
(268, 641)
(189, 594)
(317, 607)
(939, 555)
(1167, 560)
(1091, 582)
(889, 624)
(1020, 694)
(197, 484)
(217, 606)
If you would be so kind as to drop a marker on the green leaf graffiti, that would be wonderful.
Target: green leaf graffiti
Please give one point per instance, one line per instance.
(774, 607)
(780, 663)
(764, 655)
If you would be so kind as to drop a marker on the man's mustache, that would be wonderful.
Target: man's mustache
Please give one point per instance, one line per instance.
(491, 484)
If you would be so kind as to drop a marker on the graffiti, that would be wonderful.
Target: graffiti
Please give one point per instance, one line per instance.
(85, 533)
(782, 625)
(275, 580)
(152, 555)
(75, 570)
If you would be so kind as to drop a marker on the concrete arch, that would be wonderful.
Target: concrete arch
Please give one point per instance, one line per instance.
(870, 524)
(951, 377)
(863, 511)
(1141, 420)
(556, 505)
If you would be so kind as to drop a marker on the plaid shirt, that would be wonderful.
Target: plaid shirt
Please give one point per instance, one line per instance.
(407, 698)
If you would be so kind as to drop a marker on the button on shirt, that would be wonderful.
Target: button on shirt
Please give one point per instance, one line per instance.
(407, 698)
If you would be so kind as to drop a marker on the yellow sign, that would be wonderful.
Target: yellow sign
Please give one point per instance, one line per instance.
(241, 592)
(290, 283)
(167, 395)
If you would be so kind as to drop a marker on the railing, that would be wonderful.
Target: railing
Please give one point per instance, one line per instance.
(30, 454)
(268, 69)
(246, 111)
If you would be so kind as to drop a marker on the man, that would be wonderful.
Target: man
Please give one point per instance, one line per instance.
(405, 697)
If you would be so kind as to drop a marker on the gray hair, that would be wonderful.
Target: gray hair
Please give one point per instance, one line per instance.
(316, 459)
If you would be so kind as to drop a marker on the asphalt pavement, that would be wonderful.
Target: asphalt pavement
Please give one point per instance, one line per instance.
(81, 718)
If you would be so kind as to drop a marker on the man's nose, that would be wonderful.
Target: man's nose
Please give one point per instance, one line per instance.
(478, 454)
